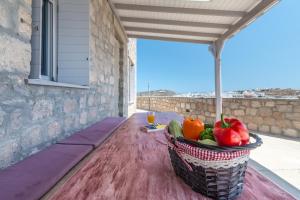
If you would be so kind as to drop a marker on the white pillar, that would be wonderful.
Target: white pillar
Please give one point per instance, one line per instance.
(216, 50)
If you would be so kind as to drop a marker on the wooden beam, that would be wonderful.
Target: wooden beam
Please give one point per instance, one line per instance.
(251, 16)
(168, 39)
(175, 22)
(180, 10)
(173, 32)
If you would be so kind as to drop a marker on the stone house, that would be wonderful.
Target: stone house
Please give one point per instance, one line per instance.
(64, 64)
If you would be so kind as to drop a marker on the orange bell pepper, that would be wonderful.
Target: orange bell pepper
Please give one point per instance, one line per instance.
(192, 128)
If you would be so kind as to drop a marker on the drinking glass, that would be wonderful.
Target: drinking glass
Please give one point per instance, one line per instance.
(151, 118)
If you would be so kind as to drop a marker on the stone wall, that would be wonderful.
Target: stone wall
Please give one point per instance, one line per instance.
(276, 116)
(33, 116)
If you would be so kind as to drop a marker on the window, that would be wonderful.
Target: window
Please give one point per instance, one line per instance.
(48, 63)
(60, 43)
(44, 40)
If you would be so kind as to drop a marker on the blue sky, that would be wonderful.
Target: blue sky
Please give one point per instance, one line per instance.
(264, 55)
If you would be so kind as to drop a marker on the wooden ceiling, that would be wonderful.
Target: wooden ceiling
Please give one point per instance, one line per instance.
(187, 21)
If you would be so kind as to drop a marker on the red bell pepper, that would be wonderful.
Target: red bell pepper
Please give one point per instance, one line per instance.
(231, 132)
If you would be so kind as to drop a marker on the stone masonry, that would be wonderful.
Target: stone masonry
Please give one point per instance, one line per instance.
(276, 116)
(33, 116)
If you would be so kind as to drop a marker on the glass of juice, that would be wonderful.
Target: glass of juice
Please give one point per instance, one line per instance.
(151, 118)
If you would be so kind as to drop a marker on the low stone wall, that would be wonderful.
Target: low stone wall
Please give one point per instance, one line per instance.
(276, 116)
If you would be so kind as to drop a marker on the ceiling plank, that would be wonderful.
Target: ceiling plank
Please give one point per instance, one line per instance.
(111, 5)
(179, 10)
(250, 17)
(173, 32)
(175, 22)
(168, 39)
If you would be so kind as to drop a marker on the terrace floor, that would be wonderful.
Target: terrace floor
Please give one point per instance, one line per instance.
(279, 160)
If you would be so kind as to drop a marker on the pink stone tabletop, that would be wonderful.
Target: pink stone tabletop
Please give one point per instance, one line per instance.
(133, 165)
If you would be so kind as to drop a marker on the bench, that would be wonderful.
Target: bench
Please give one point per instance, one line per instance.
(95, 134)
(33, 177)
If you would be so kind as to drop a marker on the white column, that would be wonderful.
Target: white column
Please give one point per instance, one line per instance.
(216, 50)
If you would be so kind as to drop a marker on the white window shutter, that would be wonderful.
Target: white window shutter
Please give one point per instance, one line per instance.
(73, 42)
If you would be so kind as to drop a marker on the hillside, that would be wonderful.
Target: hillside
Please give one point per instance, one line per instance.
(157, 93)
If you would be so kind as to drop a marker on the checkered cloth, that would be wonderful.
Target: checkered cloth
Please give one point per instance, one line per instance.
(201, 153)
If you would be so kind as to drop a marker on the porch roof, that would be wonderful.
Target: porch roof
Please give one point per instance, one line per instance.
(198, 21)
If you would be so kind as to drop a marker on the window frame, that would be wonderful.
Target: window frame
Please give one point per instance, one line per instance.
(52, 50)
(37, 32)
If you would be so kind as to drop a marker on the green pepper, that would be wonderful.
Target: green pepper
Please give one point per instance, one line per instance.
(207, 134)
(208, 126)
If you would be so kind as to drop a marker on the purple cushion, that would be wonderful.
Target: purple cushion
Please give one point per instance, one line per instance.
(31, 178)
(95, 134)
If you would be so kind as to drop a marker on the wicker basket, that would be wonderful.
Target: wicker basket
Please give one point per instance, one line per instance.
(216, 172)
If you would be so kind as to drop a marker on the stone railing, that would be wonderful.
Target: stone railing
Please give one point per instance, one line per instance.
(276, 116)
